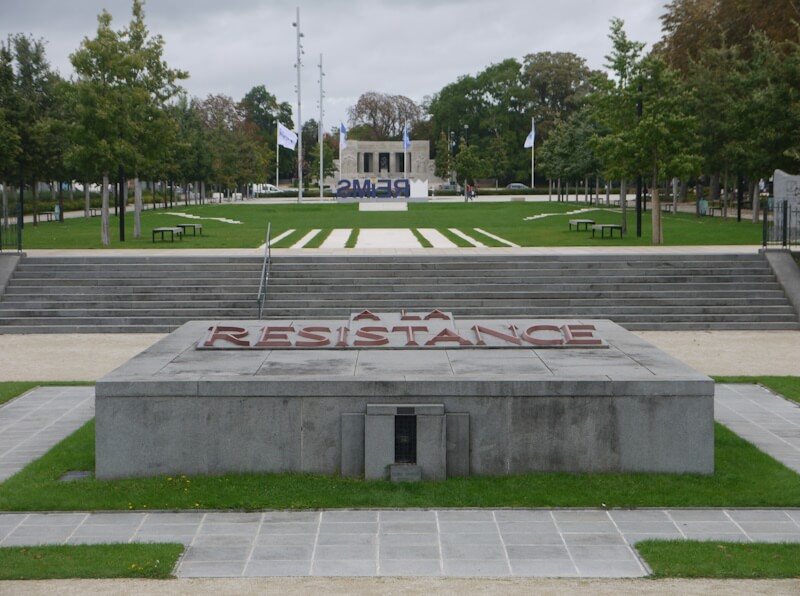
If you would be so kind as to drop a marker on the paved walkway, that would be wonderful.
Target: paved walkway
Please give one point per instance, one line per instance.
(438, 542)
(33, 423)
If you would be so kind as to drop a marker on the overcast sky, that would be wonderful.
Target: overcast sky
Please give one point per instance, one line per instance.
(407, 47)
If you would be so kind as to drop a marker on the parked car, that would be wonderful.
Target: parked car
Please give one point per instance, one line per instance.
(455, 187)
(516, 186)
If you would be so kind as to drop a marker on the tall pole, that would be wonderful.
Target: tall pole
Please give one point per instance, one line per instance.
(532, 145)
(299, 65)
(277, 155)
(320, 128)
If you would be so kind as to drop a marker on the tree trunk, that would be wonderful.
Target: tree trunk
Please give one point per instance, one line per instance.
(586, 188)
(60, 202)
(623, 203)
(698, 195)
(675, 190)
(684, 190)
(608, 194)
(35, 196)
(655, 211)
(559, 190)
(726, 192)
(87, 199)
(713, 191)
(137, 208)
(5, 206)
(105, 231)
(202, 191)
(549, 189)
(752, 189)
(71, 190)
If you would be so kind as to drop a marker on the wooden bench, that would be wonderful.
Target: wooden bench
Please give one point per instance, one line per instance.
(172, 233)
(47, 215)
(94, 211)
(191, 226)
(610, 227)
(581, 222)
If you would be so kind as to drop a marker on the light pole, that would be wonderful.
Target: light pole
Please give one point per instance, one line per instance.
(320, 129)
(299, 65)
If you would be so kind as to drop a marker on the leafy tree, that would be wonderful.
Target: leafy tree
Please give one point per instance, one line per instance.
(469, 165)
(382, 116)
(29, 89)
(122, 86)
(444, 158)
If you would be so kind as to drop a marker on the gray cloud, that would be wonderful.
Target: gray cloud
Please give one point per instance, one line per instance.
(412, 47)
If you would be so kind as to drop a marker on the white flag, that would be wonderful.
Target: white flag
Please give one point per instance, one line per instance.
(342, 136)
(531, 137)
(286, 138)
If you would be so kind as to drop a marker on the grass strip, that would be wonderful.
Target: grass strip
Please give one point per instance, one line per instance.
(352, 240)
(317, 240)
(11, 389)
(788, 387)
(744, 477)
(723, 560)
(455, 239)
(89, 561)
(423, 241)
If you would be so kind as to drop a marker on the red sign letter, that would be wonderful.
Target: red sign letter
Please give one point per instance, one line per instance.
(275, 337)
(447, 335)
(371, 338)
(410, 340)
(528, 336)
(572, 333)
(312, 333)
(235, 335)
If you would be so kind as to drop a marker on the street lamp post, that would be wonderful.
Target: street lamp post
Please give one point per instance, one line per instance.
(298, 65)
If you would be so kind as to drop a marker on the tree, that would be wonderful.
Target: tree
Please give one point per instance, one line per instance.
(444, 158)
(123, 85)
(382, 116)
(469, 165)
(29, 88)
(660, 141)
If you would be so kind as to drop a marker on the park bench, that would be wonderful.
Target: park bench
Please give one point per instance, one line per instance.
(172, 233)
(94, 211)
(603, 227)
(191, 226)
(581, 222)
(47, 215)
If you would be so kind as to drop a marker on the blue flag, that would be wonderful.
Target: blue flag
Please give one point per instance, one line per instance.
(406, 142)
(342, 136)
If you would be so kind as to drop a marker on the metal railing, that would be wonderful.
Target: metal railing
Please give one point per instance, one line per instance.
(783, 228)
(10, 224)
(262, 288)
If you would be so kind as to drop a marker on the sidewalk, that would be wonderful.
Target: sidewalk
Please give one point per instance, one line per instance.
(408, 542)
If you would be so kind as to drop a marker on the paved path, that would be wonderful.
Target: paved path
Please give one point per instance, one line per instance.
(411, 542)
(768, 421)
(33, 423)
(440, 542)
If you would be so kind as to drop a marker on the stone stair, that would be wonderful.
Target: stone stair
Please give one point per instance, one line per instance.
(157, 294)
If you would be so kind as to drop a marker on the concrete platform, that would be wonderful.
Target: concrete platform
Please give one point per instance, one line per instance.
(621, 406)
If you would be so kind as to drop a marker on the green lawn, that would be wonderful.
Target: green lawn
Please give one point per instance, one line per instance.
(744, 477)
(506, 220)
(723, 560)
(153, 561)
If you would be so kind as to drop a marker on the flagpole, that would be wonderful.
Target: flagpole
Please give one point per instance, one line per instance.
(532, 146)
(277, 155)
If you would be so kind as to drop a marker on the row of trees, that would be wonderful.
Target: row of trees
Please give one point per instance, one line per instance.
(716, 97)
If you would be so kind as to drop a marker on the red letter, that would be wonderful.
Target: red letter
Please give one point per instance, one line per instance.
(478, 329)
(573, 332)
(365, 314)
(312, 333)
(436, 314)
(372, 339)
(410, 340)
(275, 337)
(528, 336)
(342, 341)
(447, 335)
(235, 335)
(405, 317)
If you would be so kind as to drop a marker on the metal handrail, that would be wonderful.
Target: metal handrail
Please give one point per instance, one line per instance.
(262, 288)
